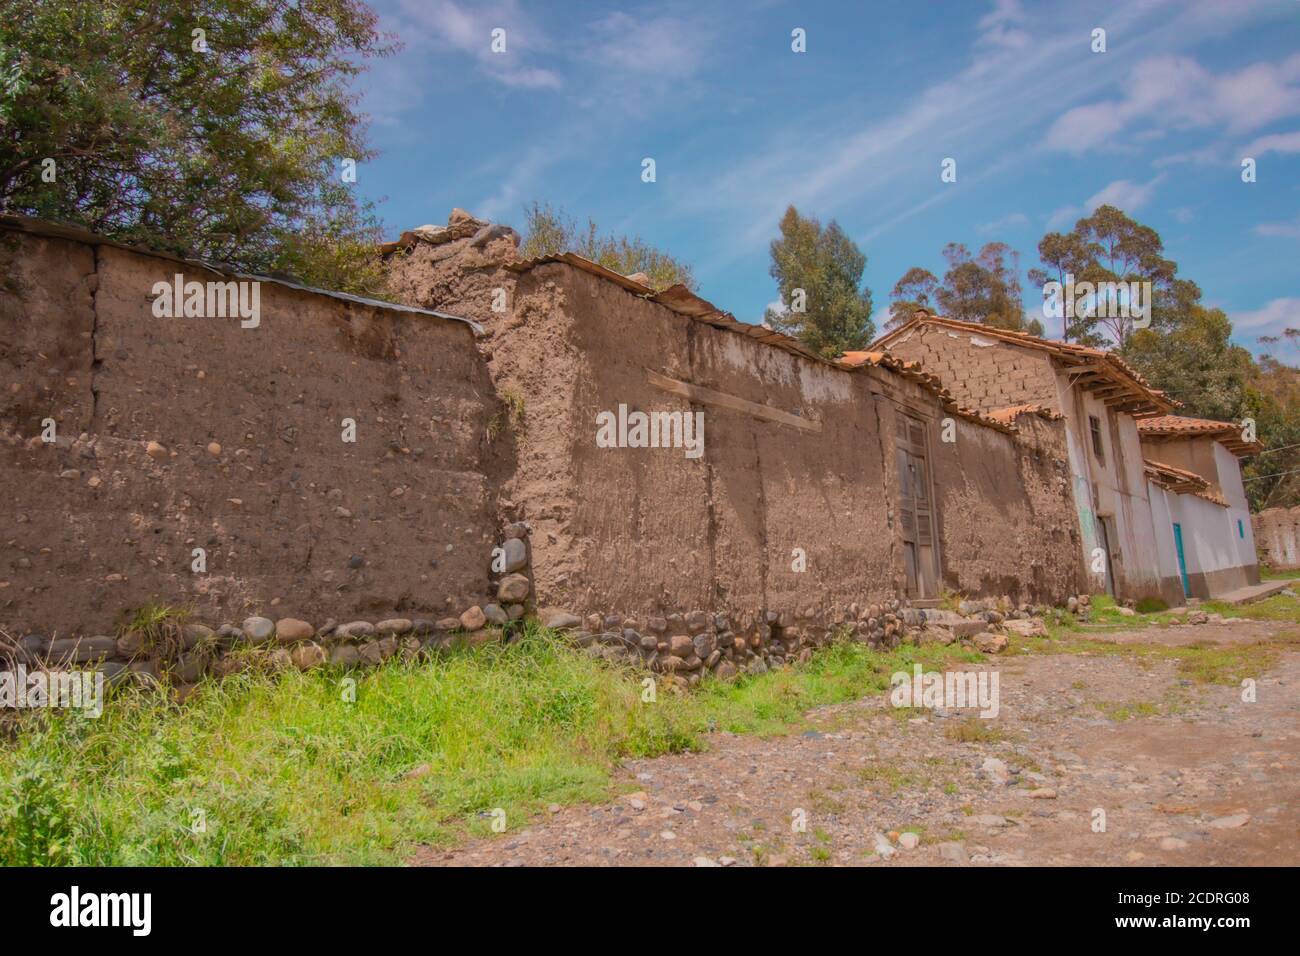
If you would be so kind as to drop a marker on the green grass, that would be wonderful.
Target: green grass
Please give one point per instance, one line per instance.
(1276, 574)
(1106, 618)
(1204, 662)
(284, 771)
(1279, 607)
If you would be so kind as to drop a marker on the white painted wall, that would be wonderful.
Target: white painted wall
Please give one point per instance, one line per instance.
(1163, 507)
(1121, 488)
(1243, 535)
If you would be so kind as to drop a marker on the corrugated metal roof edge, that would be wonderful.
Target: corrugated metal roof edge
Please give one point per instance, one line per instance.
(675, 296)
(45, 227)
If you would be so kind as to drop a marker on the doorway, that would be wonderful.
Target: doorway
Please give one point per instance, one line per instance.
(1182, 561)
(916, 508)
(1103, 537)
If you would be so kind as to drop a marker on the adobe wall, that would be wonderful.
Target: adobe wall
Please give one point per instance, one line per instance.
(1007, 517)
(252, 467)
(980, 372)
(648, 532)
(1277, 533)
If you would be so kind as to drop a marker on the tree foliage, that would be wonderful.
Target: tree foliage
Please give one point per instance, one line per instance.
(984, 288)
(818, 271)
(1187, 350)
(233, 153)
(1108, 246)
(1273, 398)
(548, 231)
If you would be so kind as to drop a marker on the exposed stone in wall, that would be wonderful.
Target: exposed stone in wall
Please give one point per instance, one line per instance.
(199, 434)
(1277, 537)
(181, 650)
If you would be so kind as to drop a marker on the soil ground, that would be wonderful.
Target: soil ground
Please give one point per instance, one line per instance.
(1185, 772)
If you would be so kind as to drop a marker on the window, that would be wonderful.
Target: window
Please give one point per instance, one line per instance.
(1094, 424)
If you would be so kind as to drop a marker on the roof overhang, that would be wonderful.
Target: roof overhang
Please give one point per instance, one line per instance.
(1103, 373)
(1177, 427)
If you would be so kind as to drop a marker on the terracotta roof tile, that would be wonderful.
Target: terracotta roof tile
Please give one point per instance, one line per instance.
(1100, 363)
(1009, 414)
(1179, 426)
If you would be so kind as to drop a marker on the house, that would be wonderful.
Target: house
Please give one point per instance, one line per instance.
(1199, 503)
(1004, 373)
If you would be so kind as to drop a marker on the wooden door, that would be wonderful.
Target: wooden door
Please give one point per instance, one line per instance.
(916, 508)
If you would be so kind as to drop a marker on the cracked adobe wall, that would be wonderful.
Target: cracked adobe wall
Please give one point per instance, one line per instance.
(1006, 513)
(401, 521)
(649, 532)
(1277, 532)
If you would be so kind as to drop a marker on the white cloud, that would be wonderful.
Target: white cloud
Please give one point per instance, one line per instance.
(445, 24)
(837, 160)
(1286, 230)
(1005, 222)
(1271, 319)
(1175, 92)
(1001, 26)
(1275, 143)
(1062, 216)
(665, 47)
(1123, 193)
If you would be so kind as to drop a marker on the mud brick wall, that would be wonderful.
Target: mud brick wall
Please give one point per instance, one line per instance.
(646, 529)
(646, 532)
(1006, 515)
(1277, 537)
(994, 375)
(248, 460)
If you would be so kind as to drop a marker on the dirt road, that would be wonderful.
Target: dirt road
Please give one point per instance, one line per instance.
(1184, 771)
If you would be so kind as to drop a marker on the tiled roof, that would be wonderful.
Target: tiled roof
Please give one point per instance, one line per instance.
(1009, 414)
(1097, 368)
(1178, 426)
(1181, 481)
(683, 301)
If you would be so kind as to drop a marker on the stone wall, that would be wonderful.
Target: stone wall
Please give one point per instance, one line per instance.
(176, 434)
(1277, 536)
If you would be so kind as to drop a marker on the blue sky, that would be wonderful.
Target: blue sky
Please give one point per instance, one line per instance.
(855, 129)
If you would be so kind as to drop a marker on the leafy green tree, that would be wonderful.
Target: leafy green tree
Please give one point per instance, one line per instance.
(818, 271)
(1194, 360)
(1108, 246)
(548, 231)
(228, 144)
(985, 288)
(914, 291)
(1065, 255)
(1273, 400)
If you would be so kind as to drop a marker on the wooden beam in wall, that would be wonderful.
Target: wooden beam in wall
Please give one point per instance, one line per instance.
(707, 396)
(1113, 390)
